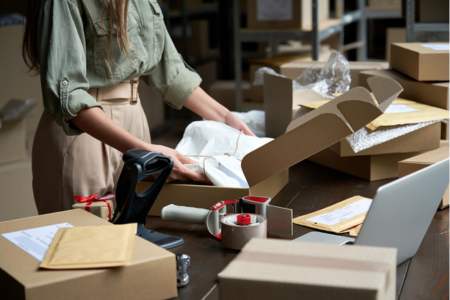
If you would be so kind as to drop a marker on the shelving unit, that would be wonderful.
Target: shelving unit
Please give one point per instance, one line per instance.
(413, 27)
(315, 35)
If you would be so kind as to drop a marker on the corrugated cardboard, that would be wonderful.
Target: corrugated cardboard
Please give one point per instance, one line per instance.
(294, 69)
(275, 269)
(431, 93)
(371, 167)
(266, 168)
(17, 81)
(21, 277)
(420, 62)
(16, 200)
(424, 139)
(423, 160)
(300, 15)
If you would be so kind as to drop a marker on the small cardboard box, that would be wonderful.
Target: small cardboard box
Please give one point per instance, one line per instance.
(13, 139)
(423, 160)
(394, 35)
(266, 168)
(294, 69)
(274, 269)
(424, 139)
(431, 93)
(421, 61)
(21, 277)
(370, 167)
(16, 200)
(270, 14)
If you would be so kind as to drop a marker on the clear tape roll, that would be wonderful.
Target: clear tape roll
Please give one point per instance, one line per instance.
(235, 236)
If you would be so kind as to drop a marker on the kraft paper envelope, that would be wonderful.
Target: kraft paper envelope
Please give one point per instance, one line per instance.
(342, 217)
(88, 247)
(401, 112)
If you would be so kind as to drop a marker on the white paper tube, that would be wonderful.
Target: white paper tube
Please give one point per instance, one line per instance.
(184, 214)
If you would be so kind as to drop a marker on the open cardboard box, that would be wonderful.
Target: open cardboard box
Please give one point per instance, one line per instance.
(266, 168)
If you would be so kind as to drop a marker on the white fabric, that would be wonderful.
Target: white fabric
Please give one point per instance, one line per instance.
(218, 150)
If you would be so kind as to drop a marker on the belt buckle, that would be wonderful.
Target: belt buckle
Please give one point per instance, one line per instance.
(134, 91)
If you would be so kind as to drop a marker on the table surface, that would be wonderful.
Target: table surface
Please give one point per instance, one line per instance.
(311, 187)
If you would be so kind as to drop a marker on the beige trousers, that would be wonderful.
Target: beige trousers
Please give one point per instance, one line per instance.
(65, 166)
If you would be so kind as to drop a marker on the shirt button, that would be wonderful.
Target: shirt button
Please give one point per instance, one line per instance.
(65, 82)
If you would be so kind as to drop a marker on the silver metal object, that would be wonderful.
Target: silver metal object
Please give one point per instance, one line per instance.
(183, 264)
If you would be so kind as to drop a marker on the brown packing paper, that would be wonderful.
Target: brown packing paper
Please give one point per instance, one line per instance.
(91, 247)
(321, 128)
(275, 269)
(345, 224)
(423, 160)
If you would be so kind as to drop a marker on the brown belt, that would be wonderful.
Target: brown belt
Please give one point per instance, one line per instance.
(126, 90)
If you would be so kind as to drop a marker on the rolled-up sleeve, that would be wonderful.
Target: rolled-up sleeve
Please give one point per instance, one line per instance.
(174, 79)
(63, 63)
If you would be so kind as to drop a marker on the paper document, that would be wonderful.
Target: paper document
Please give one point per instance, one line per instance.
(274, 10)
(399, 108)
(342, 214)
(35, 241)
(437, 47)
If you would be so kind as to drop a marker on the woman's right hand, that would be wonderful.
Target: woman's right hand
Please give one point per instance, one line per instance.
(179, 171)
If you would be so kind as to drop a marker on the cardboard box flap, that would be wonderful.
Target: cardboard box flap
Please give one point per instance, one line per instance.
(385, 90)
(322, 128)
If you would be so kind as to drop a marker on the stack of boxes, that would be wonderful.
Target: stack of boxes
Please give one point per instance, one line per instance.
(422, 62)
(16, 138)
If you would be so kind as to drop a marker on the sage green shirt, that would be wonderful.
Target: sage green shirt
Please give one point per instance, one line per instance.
(74, 56)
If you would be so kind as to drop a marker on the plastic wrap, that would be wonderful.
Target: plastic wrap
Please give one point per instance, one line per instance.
(255, 120)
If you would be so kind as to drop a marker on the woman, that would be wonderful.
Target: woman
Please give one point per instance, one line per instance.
(90, 54)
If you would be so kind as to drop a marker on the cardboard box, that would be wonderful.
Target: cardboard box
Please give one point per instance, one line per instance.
(432, 11)
(424, 139)
(431, 93)
(421, 61)
(266, 168)
(17, 81)
(13, 142)
(270, 14)
(16, 200)
(385, 4)
(394, 35)
(372, 167)
(274, 269)
(294, 69)
(21, 277)
(423, 160)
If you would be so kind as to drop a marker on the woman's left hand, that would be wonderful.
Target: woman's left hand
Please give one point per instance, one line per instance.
(233, 121)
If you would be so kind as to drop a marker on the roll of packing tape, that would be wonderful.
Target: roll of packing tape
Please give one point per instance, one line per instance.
(235, 236)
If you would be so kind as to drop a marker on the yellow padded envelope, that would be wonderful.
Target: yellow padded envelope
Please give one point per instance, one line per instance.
(89, 247)
(400, 112)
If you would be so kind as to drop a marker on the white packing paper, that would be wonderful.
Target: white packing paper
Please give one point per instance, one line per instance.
(35, 241)
(399, 108)
(344, 213)
(274, 10)
(218, 150)
(255, 120)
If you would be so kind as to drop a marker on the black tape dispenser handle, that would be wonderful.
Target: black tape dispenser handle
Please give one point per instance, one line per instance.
(133, 206)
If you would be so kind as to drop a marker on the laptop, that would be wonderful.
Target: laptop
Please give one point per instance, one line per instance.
(400, 214)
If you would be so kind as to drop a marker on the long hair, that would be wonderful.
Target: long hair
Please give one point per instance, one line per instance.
(116, 10)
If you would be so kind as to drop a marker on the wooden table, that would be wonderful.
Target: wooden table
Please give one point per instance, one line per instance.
(311, 187)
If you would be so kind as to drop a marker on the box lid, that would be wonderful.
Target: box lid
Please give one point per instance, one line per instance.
(425, 48)
(320, 129)
(25, 269)
(314, 264)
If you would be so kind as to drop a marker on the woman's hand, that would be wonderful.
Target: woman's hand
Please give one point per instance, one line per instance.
(233, 121)
(206, 107)
(179, 171)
